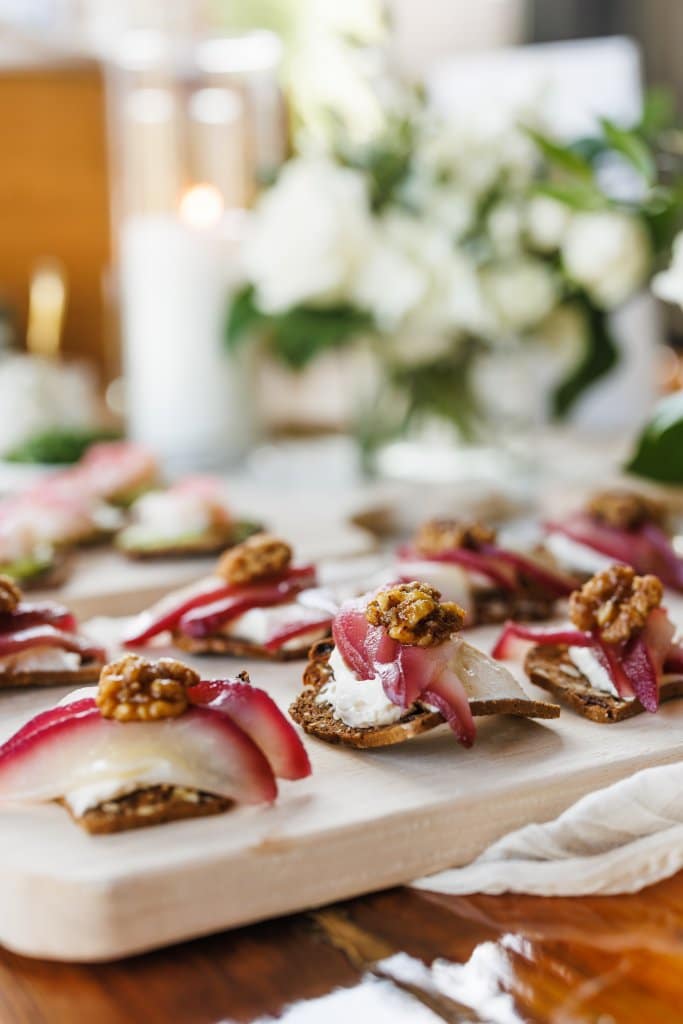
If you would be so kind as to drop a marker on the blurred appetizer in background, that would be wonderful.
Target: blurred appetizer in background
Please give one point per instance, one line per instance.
(39, 643)
(397, 666)
(150, 744)
(256, 604)
(193, 517)
(618, 657)
(617, 525)
(117, 472)
(491, 583)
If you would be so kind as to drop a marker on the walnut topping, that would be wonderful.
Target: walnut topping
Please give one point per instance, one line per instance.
(136, 690)
(615, 602)
(258, 558)
(437, 535)
(10, 594)
(414, 614)
(626, 510)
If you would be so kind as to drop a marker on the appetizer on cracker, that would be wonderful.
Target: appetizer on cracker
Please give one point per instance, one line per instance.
(397, 666)
(152, 743)
(39, 645)
(257, 604)
(617, 525)
(492, 583)
(191, 518)
(619, 656)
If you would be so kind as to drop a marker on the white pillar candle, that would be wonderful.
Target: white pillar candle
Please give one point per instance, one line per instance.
(186, 398)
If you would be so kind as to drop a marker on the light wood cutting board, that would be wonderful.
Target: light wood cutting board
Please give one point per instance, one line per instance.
(364, 821)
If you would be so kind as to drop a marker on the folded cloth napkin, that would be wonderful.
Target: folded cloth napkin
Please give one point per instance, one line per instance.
(618, 839)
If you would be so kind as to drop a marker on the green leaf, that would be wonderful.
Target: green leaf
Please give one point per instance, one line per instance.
(243, 315)
(659, 449)
(300, 335)
(659, 112)
(632, 148)
(599, 357)
(577, 195)
(59, 446)
(562, 157)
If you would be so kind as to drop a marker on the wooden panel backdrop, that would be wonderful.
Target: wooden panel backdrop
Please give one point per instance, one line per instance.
(53, 193)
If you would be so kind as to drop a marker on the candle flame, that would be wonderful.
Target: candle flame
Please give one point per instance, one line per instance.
(201, 206)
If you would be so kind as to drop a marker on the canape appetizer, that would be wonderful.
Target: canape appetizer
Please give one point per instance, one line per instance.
(616, 526)
(151, 744)
(114, 471)
(398, 666)
(191, 518)
(491, 583)
(24, 557)
(39, 645)
(619, 656)
(256, 604)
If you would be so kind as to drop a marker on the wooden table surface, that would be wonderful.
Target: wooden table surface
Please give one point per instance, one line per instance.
(398, 956)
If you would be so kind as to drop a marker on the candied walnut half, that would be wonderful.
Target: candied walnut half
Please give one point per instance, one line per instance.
(136, 690)
(10, 594)
(258, 558)
(626, 510)
(437, 535)
(414, 614)
(615, 602)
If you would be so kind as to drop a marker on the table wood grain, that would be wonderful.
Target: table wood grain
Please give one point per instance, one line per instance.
(400, 956)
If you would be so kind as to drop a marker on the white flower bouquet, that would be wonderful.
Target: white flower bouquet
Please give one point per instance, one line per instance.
(446, 242)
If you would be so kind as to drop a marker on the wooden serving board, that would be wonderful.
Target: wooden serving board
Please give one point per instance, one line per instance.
(363, 821)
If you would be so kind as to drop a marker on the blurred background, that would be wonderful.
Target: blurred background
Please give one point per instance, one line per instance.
(434, 230)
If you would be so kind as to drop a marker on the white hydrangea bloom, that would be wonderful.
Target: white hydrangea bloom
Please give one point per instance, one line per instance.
(607, 253)
(308, 235)
(522, 292)
(547, 221)
(668, 285)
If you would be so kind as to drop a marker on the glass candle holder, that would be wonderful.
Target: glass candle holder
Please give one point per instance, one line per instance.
(193, 128)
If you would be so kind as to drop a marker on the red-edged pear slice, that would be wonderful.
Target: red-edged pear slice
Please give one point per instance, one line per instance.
(34, 613)
(516, 639)
(77, 747)
(259, 716)
(48, 636)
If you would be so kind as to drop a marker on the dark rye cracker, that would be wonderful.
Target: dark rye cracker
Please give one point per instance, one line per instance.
(211, 543)
(318, 720)
(88, 673)
(492, 607)
(550, 667)
(235, 648)
(154, 805)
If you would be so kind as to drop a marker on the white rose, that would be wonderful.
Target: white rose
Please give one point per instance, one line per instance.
(669, 284)
(522, 293)
(308, 235)
(505, 228)
(608, 254)
(391, 282)
(409, 275)
(547, 221)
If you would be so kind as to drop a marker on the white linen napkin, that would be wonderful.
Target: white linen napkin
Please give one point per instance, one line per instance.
(618, 839)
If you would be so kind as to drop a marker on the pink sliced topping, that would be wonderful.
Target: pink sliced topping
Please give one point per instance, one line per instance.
(516, 639)
(48, 636)
(647, 548)
(31, 613)
(209, 618)
(407, 673)
(498, 573)
(293, 630)
(212, 600)
(554, 582)
(166, 614)
(49, 759)
(259, 717)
